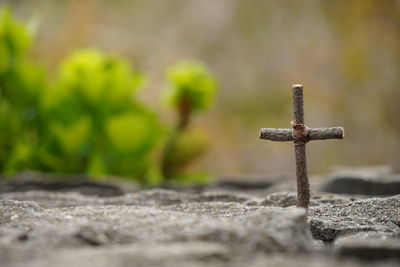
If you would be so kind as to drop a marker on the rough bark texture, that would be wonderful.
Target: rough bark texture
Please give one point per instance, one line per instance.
(274, 134)
(298, 109)
(326, 133)
(303, 186)
(282, 135)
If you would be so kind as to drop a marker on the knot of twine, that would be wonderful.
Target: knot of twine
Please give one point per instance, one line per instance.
(300, 133)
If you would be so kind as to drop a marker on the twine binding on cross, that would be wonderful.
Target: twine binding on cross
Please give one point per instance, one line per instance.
(300, 133)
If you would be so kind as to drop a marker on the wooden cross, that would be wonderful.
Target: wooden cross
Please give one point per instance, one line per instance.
(300, 134)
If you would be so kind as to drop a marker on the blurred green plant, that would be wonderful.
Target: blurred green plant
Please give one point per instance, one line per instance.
(191, 90)
(95, 123)
(89, 120)
(21, 85)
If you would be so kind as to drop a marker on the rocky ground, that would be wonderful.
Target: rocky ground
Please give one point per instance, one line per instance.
(353, 220)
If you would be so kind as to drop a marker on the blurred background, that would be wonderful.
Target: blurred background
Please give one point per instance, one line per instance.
(345, 53)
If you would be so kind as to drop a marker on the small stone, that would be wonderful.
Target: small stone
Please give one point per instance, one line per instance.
(376, 181)
(369, 246)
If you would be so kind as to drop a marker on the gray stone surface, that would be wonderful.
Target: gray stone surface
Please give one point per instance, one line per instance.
(31, 181)
(222, 227)
(369, 246)
(288, 199)
(152, 197)
(239, 226)
(177, 225)
(371, 214)
(189, 254)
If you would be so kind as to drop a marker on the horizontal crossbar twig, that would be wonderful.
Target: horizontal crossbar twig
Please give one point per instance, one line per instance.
(274, 134)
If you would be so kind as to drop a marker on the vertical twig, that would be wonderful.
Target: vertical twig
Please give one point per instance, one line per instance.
(303, 186)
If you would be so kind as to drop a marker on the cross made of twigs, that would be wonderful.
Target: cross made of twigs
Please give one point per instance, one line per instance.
(300, 135)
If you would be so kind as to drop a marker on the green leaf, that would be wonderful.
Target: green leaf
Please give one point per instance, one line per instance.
(72, 138)
(133, 132)
(192, 84)
(99, 82)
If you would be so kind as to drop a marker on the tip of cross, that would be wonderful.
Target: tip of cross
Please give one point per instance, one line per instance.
(297, 86)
